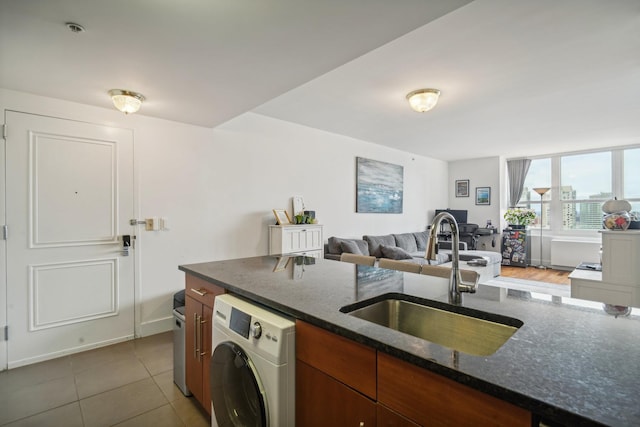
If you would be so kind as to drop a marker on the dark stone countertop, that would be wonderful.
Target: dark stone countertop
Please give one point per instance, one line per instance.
(570, 362)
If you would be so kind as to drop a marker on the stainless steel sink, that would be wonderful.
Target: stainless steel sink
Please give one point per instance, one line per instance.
(459, 328)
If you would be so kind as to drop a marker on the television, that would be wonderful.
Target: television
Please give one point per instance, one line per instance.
(459, 214)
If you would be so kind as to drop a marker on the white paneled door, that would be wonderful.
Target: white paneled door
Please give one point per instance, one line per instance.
(69, 199)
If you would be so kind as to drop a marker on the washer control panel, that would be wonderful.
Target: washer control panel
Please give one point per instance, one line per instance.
(263, 330)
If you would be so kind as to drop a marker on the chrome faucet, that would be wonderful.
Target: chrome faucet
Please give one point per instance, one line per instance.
(456, 286)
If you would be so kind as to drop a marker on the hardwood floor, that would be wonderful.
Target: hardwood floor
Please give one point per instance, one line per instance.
(558, 277)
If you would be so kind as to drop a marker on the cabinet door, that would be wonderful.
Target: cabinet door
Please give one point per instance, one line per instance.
(620, 252)
(433, 400)
(387, 418)
(349, 362)
(313, 238)
(193, 313)
(207, 319)
(290, 240)
(323, 401)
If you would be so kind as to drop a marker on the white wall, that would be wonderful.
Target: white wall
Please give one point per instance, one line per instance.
(217, 188)
(485, 172)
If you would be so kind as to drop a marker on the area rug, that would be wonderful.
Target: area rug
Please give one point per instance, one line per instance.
(530, 285)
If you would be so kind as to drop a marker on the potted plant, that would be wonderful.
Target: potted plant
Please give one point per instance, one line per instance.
(519, 217)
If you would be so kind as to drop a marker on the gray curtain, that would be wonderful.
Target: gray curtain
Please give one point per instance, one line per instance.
(517, 170)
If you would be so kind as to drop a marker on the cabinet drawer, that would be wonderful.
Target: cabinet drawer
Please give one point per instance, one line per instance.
(431, 399)
(201, 290)
(345, 360)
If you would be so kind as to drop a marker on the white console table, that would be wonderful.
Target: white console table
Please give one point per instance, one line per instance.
(305, 238)
(619, 281)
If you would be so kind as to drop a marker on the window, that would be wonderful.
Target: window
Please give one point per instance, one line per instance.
(579, 184)
(585, 184)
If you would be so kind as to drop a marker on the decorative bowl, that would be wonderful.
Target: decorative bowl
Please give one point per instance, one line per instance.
(617, 221)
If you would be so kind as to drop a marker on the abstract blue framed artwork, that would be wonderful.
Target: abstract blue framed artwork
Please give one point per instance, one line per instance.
(379, 187)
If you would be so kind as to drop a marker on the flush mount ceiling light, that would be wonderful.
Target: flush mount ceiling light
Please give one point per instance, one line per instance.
(75, 28)
(422, 100)
(126, 100)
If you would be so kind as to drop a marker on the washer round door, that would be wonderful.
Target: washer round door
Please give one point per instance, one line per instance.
(236, 391)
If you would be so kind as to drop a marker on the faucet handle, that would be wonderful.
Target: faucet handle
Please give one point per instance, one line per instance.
(467, 287)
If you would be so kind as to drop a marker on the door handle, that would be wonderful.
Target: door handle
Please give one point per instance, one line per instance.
(196, 350)
(199, 292)
(202, 322)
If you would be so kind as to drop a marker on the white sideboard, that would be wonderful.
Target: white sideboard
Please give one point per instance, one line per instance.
(619, 281)
(306, 238)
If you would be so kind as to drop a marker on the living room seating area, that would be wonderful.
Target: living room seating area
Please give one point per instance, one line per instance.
(410, 248)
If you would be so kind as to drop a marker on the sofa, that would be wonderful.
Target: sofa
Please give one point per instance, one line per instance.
(411, 247)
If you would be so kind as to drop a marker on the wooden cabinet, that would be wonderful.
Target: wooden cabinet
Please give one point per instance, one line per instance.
(285, 239)
(431, 399)
(385, 417)
(341, 382)
(199, 297)
(335, 380)
(324, 401)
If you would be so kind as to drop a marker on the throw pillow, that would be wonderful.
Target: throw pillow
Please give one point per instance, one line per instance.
(334, 245)
(394, 252)
(363, 246)
(375, 242)
(350, 247)
(406, 241)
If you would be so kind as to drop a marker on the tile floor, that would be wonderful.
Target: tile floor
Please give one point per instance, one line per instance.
(126, 384)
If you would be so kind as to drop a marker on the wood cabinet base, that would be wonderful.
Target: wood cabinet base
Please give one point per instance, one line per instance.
(431, 399)
(199, 297)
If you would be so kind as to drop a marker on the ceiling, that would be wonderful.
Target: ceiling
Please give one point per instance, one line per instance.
(518, 78)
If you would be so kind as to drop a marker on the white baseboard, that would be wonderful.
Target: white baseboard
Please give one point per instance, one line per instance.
(156, 326)
(65, 352)
(148, 328)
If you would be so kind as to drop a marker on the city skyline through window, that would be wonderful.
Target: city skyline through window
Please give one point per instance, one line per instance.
(580, 184)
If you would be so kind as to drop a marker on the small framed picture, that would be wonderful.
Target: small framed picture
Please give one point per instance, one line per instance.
(282, 216)
(462, 188)
(281, 263)
(483, 195)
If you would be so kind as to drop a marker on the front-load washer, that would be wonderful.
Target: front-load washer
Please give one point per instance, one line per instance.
(252, 370)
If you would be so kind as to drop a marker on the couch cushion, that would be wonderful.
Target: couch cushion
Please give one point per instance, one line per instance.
(375, 242)
(334, 245)
(349, 246)
(394, 252)
(406, 241)
(422, 238)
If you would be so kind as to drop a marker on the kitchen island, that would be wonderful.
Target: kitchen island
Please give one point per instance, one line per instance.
(568, 363)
